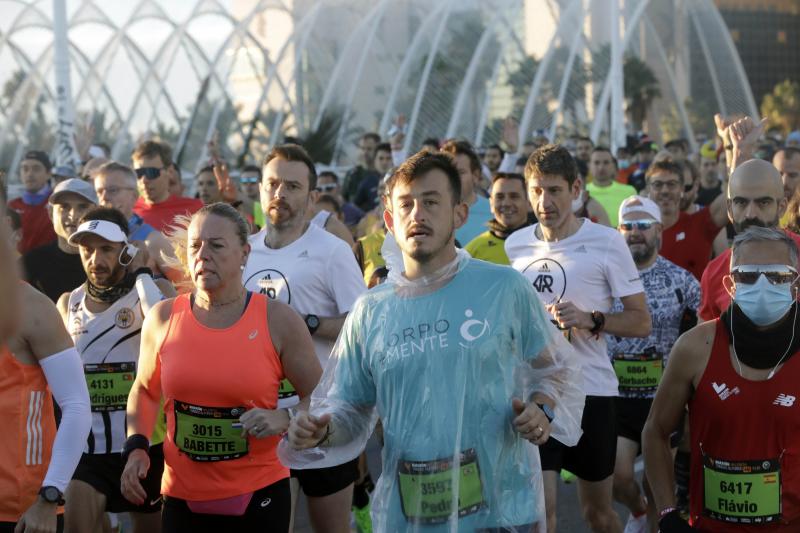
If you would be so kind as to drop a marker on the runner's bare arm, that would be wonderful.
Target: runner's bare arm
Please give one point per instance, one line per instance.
(145, 395)
(293, 343)
(336, 227)
(43, 329)
(9, 286)
(719, 209)
(330, 326)
(633, 321)
(597, 212)
(686, 363)
(63, 307)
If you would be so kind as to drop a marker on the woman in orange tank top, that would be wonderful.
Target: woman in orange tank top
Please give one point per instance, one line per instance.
(217, 355)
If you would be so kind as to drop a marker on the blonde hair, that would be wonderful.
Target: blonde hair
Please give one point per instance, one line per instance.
(177, 234)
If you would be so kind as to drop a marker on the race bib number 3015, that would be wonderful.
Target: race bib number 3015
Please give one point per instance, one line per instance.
(209, 433)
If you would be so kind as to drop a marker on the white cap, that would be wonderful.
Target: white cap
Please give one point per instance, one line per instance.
(639, 204)
(102, 228)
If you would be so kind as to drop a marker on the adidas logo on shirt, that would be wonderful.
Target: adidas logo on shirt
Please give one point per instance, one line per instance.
(580, 249)
(303, 255)
(544, 268)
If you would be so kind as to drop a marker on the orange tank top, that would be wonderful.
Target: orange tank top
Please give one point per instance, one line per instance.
(26, 442)
(209, 377)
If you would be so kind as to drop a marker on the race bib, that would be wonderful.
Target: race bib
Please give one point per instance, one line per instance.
(209, 433)
(742, 492)
(109, 385)
(426, 488)
(286, 390)
(640, 373)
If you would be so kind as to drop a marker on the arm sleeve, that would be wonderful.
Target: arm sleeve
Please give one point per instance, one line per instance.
(621, 272)
(64, 374)
(348, 282)
(149, 293)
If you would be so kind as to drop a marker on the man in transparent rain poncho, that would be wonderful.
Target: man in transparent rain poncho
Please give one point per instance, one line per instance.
(459, 360)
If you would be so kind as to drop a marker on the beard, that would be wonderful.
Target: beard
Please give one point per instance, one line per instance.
(644, 254)
(280, 214)
(423, 255)
(108, 279)
(754, 222)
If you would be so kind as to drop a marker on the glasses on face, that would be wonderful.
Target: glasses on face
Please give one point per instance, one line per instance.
(641, 225)
(775, 274)
(150, 173)
(326, 187)
(672, 185)
(248, 181)
(112, 191)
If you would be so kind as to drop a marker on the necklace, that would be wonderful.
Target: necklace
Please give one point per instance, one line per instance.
(221, 304)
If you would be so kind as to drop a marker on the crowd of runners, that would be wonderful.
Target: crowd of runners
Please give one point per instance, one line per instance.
(498, 321)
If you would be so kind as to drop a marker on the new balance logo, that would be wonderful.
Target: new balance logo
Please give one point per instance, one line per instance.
(303, 255)
(680, 236)
(784, 400)
(580, 249)
(724, 392)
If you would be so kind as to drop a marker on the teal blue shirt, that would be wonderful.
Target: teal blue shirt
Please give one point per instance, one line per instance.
(440, 368)
(480, 213)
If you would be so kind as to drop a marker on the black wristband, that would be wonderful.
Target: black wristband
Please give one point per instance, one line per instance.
(673, 523)
(135, 442)
(143, 270)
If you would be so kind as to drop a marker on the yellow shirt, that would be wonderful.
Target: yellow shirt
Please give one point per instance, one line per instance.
(489, 248)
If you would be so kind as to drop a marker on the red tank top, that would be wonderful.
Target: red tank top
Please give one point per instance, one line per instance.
(209, 377)
(26, 442)
(742, 432)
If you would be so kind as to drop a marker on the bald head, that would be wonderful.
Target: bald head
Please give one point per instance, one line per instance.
(92, 166)
(755, 195)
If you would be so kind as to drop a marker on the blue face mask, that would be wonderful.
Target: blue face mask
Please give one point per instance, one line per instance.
(763, 302)
(624, 163)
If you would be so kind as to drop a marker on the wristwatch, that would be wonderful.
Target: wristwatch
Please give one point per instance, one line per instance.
(312, 323)
(51, 494)
(548, 412)
(599, 320)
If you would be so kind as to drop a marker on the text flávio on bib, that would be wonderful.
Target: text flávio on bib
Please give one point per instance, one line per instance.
(742, 492)
(209, 433)
(109, 385)
(433, 491)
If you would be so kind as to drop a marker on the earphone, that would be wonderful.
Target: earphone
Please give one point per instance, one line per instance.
(130, 250)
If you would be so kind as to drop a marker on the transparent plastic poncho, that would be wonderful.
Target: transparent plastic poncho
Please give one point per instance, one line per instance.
(439, 360)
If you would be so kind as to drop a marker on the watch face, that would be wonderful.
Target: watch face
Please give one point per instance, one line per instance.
(312, 321)
(51, 494)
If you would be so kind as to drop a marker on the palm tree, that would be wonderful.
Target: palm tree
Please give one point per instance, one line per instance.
(641, 88)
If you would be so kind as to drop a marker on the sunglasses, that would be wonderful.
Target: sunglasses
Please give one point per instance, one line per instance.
(775, 274)
(150, 173)
(254, 179)
(641, 225)
(327, 187)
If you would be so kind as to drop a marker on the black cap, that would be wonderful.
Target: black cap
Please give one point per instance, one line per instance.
(39, 156)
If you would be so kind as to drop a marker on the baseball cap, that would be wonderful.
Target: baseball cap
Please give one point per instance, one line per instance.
(102, 228)
(39, 156)
(640, 204)
(65, 172)
(793, 139)
(75, 186)
(709, 150)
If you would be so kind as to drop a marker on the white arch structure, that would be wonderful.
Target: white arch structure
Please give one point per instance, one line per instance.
(375, 62)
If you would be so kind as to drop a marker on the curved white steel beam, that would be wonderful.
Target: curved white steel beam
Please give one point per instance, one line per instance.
(602, 103)
(562, 91)
(426, 72)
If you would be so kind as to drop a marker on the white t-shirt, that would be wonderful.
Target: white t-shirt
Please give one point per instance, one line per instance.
(316, 274)
(589, 268)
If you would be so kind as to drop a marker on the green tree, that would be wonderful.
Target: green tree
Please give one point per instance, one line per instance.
(641, 88)
(782, 106)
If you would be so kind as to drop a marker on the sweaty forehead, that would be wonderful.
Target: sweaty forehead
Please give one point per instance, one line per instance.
(208, 226)
(755, 178)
